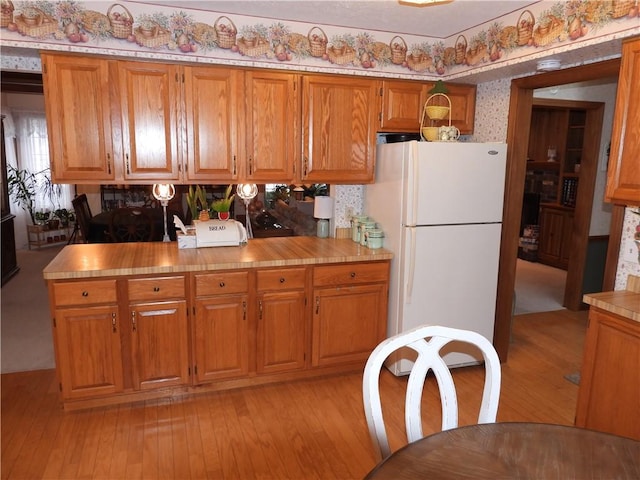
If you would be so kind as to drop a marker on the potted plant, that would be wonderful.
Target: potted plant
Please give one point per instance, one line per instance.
(197, 202)
(22, 185)
(223, 205)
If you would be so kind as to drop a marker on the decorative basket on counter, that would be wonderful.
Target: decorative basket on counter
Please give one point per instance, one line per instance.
(434, 112)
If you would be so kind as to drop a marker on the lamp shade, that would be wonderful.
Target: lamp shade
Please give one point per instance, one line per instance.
(323, 207)
(247, 191)
(163, 191)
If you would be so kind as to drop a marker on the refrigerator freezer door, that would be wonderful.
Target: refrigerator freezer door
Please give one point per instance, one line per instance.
(449, 280)
(455, 183)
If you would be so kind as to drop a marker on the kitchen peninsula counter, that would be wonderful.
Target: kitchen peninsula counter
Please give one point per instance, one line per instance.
(116, 259)
(625, 303)
(135, 321)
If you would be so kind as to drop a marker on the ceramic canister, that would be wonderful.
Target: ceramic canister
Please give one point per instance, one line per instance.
(355, 226)
(374, 238)
(365, 226)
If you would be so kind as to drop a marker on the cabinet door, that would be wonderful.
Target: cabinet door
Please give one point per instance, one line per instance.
(463, 106)
(77, 103)
(159, 345)
(348, 323)
(281, 331)
(339, 123)
(623, 176)
(221, 338)
(608, 393)
(88, 351)
(402, 103)
(272, 125)
(212, 111)
(551, 232)
(150, 104)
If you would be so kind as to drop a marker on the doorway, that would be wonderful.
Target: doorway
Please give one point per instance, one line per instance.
(521, 101)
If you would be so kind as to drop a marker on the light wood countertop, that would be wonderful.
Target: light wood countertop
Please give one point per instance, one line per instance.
(103, 260)
(625, 303)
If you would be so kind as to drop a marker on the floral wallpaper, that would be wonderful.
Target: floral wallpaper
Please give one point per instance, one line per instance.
(130, 28)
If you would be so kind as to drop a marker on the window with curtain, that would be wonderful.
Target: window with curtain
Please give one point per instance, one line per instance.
(33, 155)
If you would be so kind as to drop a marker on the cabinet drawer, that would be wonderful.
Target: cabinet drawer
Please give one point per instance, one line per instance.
(85, 293)
(277, 279)
(154, 289)
(350, 274)
(221, 283)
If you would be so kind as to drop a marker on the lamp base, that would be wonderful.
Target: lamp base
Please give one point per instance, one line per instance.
(323, 228)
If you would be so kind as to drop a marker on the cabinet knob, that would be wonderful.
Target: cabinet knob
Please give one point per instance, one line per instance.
(221, 284)
(282, 279)
(353, 274)
(85, 294)
(156, 289)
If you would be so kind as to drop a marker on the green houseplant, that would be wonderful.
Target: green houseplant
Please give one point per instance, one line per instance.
(223, 205)
(22, 185)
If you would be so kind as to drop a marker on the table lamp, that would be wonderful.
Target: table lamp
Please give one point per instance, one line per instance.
(163, 192)
(323, 211)
(247, 192)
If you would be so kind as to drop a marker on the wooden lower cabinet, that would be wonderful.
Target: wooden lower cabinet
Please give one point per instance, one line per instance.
(159, 327)
(608, 398)
(221, 326)
(282, 326)
(349, 312)
(88, 351)
(139, 337)
(556, 225)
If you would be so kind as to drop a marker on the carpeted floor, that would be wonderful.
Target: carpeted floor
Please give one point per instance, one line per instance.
(27, 343)
(539, 288)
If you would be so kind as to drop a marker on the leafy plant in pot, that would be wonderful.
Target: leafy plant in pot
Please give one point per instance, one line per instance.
(22, 185)
(223, 205)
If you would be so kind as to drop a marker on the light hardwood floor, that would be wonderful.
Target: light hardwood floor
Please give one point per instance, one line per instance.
(311, 429)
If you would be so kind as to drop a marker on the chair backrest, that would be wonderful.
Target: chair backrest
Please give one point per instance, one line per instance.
(131, 225)
(83, 215)
(427, 341)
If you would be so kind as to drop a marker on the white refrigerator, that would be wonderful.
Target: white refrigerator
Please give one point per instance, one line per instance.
(440, 207)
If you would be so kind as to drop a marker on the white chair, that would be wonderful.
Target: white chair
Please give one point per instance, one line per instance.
(427, 341)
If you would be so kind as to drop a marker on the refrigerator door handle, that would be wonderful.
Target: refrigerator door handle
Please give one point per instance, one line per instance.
(414, 182)
(412, 265)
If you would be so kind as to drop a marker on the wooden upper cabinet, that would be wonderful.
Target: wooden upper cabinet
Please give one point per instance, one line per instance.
(402, 103)
(213, 103)
(339, 123)
(623, 176)
(149, 106)
(463, 106)
(78, 110)
(272, 126)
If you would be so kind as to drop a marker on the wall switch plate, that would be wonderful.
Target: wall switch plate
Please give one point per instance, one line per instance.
(630, 251)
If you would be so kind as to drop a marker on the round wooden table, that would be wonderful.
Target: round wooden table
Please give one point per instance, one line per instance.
(514, 450)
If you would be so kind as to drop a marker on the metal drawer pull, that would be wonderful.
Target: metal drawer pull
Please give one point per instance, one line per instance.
(282, 280)
(221, 284)
(156, 289)
(353, 274)
(85, 294)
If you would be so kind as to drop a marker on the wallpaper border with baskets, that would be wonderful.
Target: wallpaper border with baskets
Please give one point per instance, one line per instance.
(129, 28)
